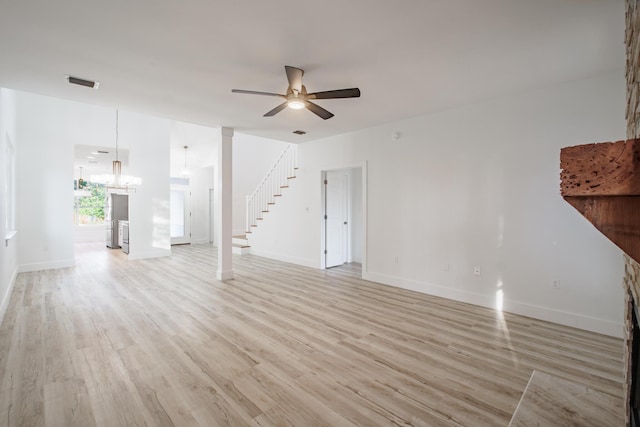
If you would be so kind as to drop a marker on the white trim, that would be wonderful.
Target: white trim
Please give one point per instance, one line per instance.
(285, 258)
(10, 234)
(237, 232)
(567, 318)
(365, 211)
(580, 321)
(7, 296)
(224, 275)
(51, 265)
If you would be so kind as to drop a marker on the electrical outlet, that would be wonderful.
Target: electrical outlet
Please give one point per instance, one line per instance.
(397, 260)
(446, 267)
(476, 270)
(555, 284)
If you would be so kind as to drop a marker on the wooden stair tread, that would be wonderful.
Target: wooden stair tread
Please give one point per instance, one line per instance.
(237, 245)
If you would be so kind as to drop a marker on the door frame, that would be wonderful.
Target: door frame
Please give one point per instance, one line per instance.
(336, 168)
(185, 240)
(345, 214)
(211, 225)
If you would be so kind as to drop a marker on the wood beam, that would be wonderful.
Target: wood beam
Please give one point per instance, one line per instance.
(617, 217)
(602, 181)
(604, 169)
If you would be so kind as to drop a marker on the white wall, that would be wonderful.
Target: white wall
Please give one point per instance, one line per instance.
(48, 129)
(355, 208)
(148, 141)
(477, 185)
(8, 249)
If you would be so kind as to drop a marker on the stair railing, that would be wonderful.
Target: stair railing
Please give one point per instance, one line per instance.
(271, 186)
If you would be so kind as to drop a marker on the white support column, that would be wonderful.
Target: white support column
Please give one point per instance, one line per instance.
(223, 205)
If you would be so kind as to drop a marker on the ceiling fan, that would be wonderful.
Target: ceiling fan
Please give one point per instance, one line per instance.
(298, 98)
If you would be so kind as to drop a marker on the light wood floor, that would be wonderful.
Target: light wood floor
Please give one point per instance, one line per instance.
(161, 343)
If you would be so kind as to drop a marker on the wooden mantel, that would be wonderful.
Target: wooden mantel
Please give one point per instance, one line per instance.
(602, 181)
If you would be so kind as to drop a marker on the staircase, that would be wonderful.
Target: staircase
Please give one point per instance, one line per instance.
(240, 245)
(266, 194)
(270, 188)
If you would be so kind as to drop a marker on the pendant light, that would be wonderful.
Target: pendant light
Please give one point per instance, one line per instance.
(81, 182)
(185, 170)
(115, 180)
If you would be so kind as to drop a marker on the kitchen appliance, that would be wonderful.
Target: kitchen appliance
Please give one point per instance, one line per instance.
(116, 209)
(124, 236)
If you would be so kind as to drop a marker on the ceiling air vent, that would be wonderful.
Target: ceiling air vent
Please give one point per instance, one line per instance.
(83, 82)
(102, 152)
(299, 132)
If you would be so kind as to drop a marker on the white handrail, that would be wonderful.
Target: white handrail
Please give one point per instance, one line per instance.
(282, 170)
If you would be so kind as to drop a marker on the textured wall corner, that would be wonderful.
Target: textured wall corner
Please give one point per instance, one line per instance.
(632, 268)
(632, 42)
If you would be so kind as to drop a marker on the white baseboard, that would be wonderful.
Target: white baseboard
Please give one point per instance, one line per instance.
(51, 265)
(576, 320)
(156, 253)
(200, 241)
(7, 296)
(224, 275)
(285, 258)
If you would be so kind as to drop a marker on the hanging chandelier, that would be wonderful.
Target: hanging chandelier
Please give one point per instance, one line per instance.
(115, 180)
(80, 187)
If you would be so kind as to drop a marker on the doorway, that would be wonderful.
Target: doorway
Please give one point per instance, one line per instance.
(343, 225)
(180, 215)
(212, 210)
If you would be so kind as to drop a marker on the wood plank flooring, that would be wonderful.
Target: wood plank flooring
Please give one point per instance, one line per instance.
(553, 401)
(161, 343)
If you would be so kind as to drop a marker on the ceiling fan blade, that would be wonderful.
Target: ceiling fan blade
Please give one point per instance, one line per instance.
(333, 94)
(253, 92)
(318, 110)
(294, 75)
(276, 110)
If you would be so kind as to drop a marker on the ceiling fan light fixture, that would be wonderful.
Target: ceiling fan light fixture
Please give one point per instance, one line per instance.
(297, 97)
(296, 104)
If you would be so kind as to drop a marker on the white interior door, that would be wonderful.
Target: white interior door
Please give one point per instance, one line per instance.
(180, 215)
(336, 213)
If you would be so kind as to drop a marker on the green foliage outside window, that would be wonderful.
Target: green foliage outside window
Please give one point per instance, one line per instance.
(90, 209)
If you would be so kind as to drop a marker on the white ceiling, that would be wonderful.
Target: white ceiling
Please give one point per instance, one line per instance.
(97, 160)
(180, 60)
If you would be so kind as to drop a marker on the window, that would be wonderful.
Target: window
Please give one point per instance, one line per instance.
(89, 208)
